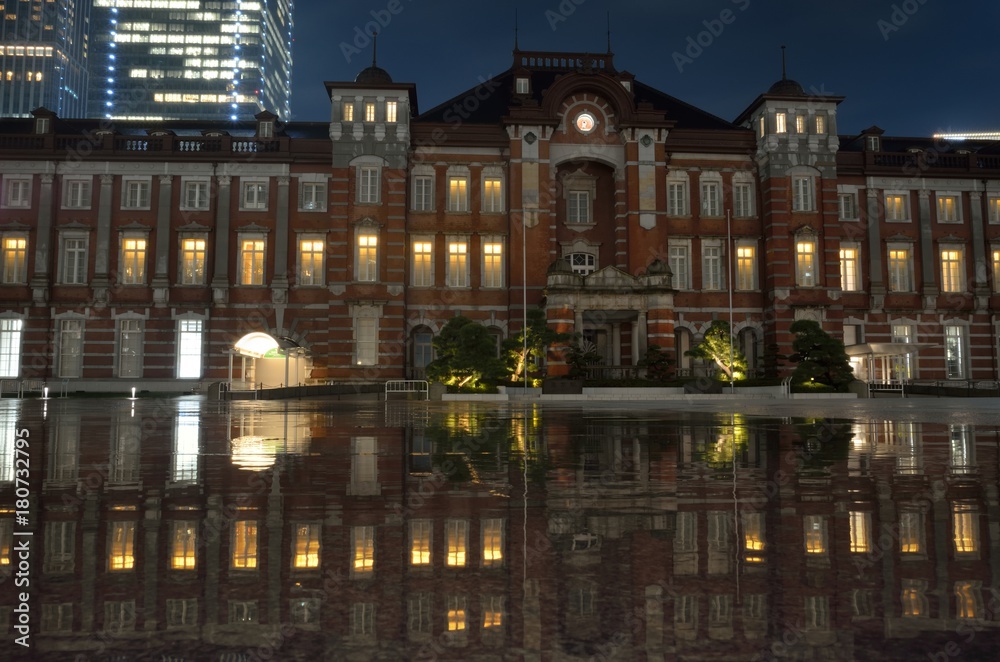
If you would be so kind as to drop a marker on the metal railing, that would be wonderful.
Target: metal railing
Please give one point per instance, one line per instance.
(408, 386)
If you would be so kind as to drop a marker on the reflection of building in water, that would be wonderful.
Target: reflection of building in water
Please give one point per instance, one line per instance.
(707, 538)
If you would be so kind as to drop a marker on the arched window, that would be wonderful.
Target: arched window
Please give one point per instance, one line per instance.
(582, 263)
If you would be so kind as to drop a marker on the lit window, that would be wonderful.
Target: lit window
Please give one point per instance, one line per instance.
(814, 531)
(848, 206)
(492, 264)
(183, 544)
(582, 263)
(955, 351)
(805, 263)
(952, 270)
(911, 532)
(423, 265)
(190, 342)
(802, 194)
(70, 347)
(367, 256)
(130, 348)
(311, 251)
(423, 193)
(254, 196)
(996, 270)
(578, 207)
(252, 260)
(861, 532)
(363, 546)
(711, 267)
(897, 207)
(746, 267)
(492, 195)
(743, 200)
(74, 260)
(17, 193)
(680, 265)
(368, 189)
(120, 552)
(457, 614)
(710, 205)
(677, 198)
(900, 266)
(762, 128)
(348, 111)
(994, 210)
(390, 112)
(456, 542)
(493, 541)
(136, 194)
(306, 546)
(195, 195)
(458, 263)
(77, 194)
(312, 196)
(800, 124)
(947, 209)
(420, 541)
(821, 124)
(193, 261)
(780, 123)
(458, 194)
(15, 255)
(133, 268)
(369, 111)
(849, 276)
(244, 540)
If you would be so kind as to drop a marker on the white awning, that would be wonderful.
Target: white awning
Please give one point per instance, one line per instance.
(879, 349)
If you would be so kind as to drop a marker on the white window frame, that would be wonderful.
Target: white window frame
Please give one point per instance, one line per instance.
(254, 194)
(743, 199)
(492, 202)
(11, 339)
(711, 198)
(898, 211)
(458, 194)
(366, 334)
(391, 112)
(781, 122)
(952, 260)
(679, 260)
(190, 348)
(582, 263)
(993, 208)
(370, 114)
(457, 272)
(369, 184)
(956, 346)
(312, 195)
(493, 262)
(196, 194)
(366, 254)
(16, 192)
(311, 274)
(265, 129)
(522, 85)
(678, 198)
(803, 193)
(347, 111)
(847, 206)
(80, 267)
(198, 257)
(136, 193)
(77, 193)
(746, 280)
(850, 266)
(713, 257)
(129, 366)
(948, 213)
(423, 200)
(422, 252)
(819, 122)
(579, 207)
(14, 258)
(890, 262)
(136, 257)
(258, 276)
(806, 261)
(71, 331)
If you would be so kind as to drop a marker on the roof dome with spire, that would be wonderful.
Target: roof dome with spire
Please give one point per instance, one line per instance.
(787, 87)
(374, 75)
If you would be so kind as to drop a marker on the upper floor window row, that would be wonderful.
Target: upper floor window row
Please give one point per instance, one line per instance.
(792, 122)
(458, 193)
(711, 201)
(370, 111)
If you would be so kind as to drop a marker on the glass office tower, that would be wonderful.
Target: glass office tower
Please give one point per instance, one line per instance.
(43, 56)
(190, 59)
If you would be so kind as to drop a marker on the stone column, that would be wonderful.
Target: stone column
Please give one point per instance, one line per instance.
(43, 237)
(161, 282)
(929, 286)
(220, 278)
(639, 344)
(102, 263)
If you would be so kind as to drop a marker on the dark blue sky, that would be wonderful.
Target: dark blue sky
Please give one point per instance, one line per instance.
(913, 67)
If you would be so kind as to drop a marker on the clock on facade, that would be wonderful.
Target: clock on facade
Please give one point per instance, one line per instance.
(585, 122)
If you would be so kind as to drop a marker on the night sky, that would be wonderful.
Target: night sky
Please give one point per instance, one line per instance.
(913, 67)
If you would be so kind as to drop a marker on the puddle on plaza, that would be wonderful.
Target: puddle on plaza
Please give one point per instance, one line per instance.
(181, 529)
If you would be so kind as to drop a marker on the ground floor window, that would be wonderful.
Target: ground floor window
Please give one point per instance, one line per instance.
(10, 347)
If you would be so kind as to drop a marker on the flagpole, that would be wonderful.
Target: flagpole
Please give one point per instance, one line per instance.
(729, 255)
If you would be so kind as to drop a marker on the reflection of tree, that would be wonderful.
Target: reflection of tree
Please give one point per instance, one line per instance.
(727, 442)
(823, 442)
(468, 447)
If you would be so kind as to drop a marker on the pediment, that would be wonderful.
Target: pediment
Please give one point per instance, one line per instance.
(610, 277)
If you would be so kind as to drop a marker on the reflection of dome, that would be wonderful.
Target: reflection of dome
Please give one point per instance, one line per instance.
(787, 87)
(373, 76)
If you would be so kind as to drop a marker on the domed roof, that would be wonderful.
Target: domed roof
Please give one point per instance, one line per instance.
(560, 266)
(373, 75)
(787, 87)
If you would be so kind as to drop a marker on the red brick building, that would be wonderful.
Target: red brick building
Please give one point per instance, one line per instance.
(146, 253)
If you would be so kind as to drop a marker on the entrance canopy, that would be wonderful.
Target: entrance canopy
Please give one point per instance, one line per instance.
(260, 345)
(884, 349)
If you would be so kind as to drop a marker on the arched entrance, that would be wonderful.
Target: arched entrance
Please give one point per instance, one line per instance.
(267, 362)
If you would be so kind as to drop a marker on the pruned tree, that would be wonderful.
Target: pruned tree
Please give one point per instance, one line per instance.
(658, 365)
(717, 346)
(466, 354)
(540, 336)
(820, 356)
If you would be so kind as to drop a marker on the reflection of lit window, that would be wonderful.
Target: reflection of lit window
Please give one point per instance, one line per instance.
(753, 532)
(911, 532)
(912, 598)
(967, 600)
(493, 608)
(6, 540)
(244, 544)
(306, 546)
(456, 540)
(183, 538)
(456, 613)
(861, 531)
(120, 556)
(814, 530)
(493, 541)
(420, 542)
(965, 523)
(363, 544)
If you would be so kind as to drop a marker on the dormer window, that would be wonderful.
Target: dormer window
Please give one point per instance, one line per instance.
(521, 85)
(41, 125)
(627, 84)
(265, 129)
(872, 143)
